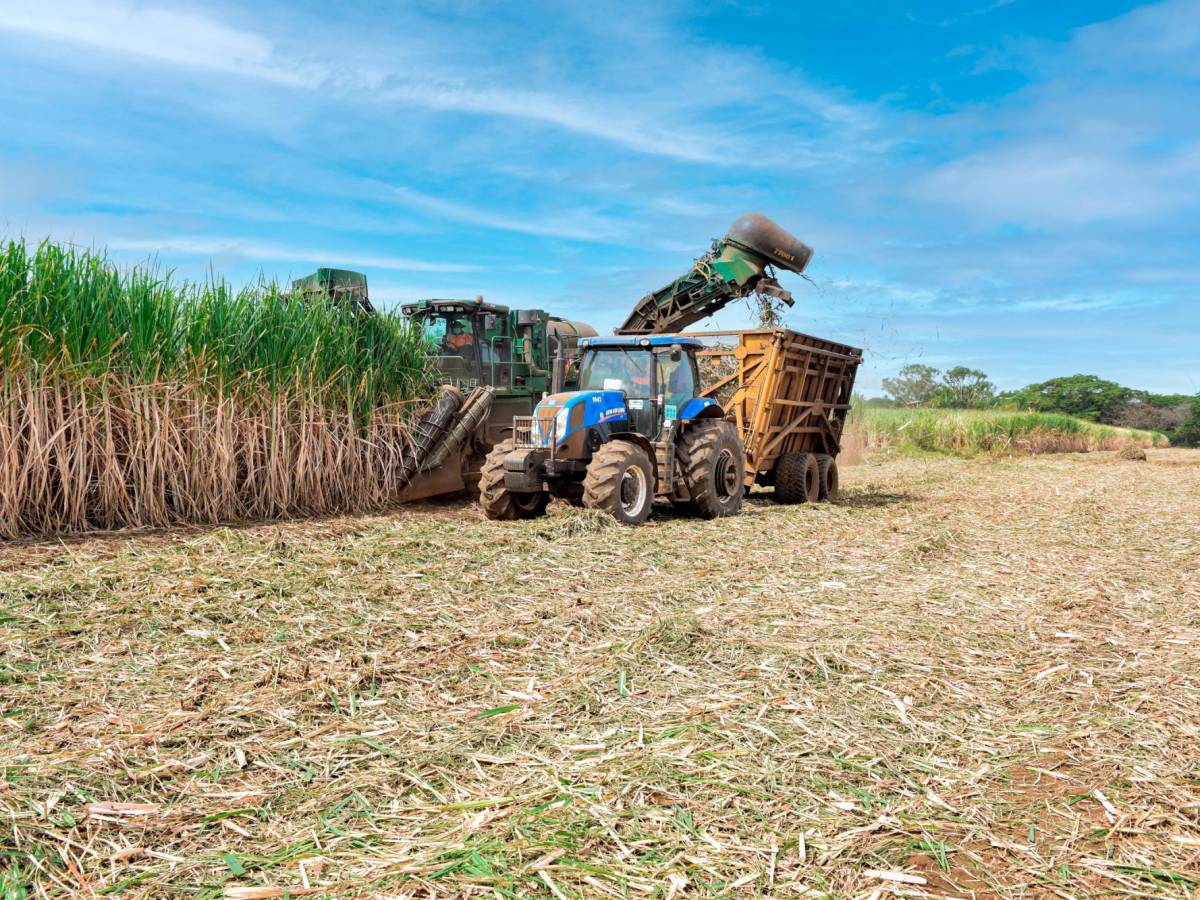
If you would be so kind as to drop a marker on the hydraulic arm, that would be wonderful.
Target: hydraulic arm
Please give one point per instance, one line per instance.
(738, 265)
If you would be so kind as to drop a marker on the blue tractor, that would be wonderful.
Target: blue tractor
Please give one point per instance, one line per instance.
(633, 431)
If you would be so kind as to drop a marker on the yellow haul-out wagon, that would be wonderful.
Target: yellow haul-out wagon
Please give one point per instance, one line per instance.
(789, 394)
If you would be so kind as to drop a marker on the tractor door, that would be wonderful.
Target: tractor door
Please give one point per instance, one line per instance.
(676, 379)
(495, 350)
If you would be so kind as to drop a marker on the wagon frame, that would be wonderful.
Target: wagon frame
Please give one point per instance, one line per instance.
(790, 392)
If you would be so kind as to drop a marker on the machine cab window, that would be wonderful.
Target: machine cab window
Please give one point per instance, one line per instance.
(619, 369)
(452, 338)
(451, 334)
(676, 379)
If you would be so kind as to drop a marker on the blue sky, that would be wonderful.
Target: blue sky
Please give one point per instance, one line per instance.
(1010, 185)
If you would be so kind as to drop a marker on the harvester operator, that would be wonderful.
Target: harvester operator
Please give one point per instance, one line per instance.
(459, 339)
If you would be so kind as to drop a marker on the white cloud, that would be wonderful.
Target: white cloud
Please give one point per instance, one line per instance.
(576, 228)
(1106, 131)
(575, 114)
(155, 33)
(1087, 303)
(666, 122)
(204, 246)
(1066, 181)
(1154, 37)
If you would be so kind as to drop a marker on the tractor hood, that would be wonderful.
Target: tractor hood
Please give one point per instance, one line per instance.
(558, 416)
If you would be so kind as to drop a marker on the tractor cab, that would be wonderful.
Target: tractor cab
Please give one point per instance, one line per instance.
(656, 376)
(468, 340)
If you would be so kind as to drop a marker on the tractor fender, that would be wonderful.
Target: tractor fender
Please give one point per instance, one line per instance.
(701, 408)
(634, 438)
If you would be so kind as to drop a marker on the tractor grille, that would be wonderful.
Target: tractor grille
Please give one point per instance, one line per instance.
(523, 427)
(531, 432)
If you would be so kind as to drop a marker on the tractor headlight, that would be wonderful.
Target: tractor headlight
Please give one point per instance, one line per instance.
(561, 423)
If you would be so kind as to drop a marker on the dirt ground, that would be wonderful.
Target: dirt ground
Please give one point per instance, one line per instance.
(966, 678)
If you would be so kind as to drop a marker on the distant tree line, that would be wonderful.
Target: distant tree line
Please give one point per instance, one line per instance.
(1085, 396)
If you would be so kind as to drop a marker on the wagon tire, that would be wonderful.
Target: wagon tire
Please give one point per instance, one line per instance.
(797, 479)
(497, 500)
(713, 465)
(827, 477)
(620, 482)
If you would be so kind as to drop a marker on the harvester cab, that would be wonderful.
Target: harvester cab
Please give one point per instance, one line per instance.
(635, 429)
(467, 341)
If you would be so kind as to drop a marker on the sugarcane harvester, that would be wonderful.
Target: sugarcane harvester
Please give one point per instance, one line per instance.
(638, 427)
(493, 362)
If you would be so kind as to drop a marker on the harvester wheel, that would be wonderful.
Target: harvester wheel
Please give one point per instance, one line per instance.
(797, 478)
(714, 466)
(620, 482)
(827, 477)
(497, 500)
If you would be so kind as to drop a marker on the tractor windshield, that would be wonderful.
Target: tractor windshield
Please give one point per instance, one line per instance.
(616, 369)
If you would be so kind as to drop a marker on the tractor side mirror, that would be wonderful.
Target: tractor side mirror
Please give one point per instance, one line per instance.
(676, 353)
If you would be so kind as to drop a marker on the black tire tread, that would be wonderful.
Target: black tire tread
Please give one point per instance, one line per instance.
(495, 498)
(825, 463)
(602, 482)
(696, 452)
(790, 471)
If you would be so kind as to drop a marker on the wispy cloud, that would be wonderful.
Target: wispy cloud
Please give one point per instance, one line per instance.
(1066, 180)
(584, 228)
(159, 34)
(1083, 142)
(225, 247)
(659, 123)
(1088, 303)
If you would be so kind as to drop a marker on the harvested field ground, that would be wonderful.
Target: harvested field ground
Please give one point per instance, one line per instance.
(966, 678)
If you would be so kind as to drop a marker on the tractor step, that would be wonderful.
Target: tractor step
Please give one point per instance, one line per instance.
(664, 463)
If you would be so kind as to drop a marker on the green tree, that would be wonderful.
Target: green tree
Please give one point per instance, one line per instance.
(964, 387)
(1188, 434)
(1086, 396)
(913, 385)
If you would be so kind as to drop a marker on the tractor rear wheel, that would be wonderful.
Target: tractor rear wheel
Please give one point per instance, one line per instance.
(497, 500)
(797, 479)
(714, 466)
(827, 477)
(620, 482)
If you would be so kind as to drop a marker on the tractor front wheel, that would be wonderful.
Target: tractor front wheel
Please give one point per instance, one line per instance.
(620, 482)
(497, 500)
(714, 467)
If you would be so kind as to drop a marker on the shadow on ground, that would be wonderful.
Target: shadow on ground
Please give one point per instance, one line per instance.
(858, 498)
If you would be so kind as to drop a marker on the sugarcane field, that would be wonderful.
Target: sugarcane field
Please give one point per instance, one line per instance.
(578, 451)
